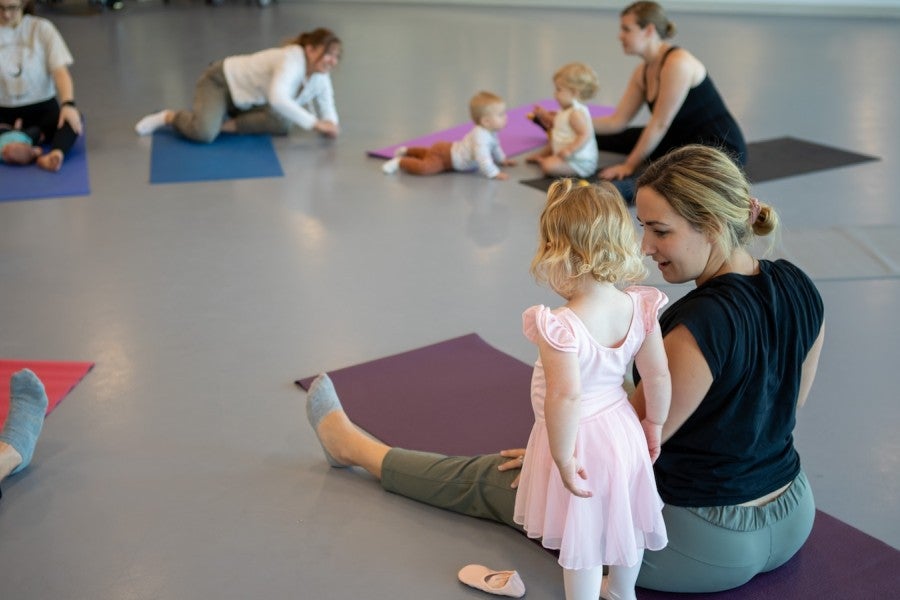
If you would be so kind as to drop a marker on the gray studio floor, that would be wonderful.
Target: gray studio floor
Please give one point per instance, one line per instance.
(182, 467)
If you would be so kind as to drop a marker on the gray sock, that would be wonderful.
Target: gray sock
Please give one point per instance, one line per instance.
(27, 407)
(321, 400)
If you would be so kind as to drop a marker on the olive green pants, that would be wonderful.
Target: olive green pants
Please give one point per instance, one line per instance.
(710, 549)
(212, 104)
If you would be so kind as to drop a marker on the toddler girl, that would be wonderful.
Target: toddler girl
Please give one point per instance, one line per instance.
(572, 149)
(587, 486)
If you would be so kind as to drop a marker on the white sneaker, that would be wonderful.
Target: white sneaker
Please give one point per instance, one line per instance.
(401, 151)
(151, 123)
(391, 166)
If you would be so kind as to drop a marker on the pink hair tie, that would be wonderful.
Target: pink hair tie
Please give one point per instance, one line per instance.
(754, 210)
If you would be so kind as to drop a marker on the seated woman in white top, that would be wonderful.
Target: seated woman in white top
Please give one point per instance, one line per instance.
(265, 92)
(36, 87)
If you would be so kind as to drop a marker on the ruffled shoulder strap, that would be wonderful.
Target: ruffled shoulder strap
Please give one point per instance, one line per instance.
(540, 321)
(649, 302)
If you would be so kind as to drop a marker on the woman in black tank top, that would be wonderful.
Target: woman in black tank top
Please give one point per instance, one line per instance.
(685, 106)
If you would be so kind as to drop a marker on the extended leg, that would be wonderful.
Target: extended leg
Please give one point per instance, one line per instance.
(472, 486)
(27, 407)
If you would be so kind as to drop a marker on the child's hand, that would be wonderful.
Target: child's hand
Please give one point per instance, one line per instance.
(543, 117)
(571, 472)
(501, 176)
(653, 433)
(564, 153)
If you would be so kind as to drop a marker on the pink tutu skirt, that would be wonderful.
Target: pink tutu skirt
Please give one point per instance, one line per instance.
(624, 514)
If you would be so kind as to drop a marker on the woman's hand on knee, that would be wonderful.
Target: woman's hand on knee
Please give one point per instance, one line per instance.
(69, 114)
(516, 457)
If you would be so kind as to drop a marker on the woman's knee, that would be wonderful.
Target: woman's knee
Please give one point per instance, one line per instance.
(196, 130)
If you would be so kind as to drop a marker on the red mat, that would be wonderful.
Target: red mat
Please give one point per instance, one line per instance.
(58, 377)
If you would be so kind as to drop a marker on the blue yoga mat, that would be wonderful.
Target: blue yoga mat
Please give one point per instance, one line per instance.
(175, 159)
(30, 182)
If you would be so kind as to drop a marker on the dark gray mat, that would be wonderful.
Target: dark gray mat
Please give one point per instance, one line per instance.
(775, 158)
(788, 156)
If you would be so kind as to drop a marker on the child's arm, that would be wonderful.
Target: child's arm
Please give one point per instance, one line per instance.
(485, 159)
(582, 128)
(500, 156)
(653, 366)
(561, 412)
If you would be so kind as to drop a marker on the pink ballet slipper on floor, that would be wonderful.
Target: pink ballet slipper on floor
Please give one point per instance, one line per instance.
(501, 583)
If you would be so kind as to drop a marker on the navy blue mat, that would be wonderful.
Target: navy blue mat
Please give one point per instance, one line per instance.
(30, 182)
(175, 159)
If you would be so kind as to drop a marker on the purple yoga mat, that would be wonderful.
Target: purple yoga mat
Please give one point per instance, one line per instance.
(456, 397)
(464, 397)
(520, 134)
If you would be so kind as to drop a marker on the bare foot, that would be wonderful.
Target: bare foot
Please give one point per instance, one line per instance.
(52, 161)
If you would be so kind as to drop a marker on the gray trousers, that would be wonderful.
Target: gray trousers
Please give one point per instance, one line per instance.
(213, 104)
(710, 549)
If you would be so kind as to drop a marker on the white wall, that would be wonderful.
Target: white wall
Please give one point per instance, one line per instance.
(864, 8)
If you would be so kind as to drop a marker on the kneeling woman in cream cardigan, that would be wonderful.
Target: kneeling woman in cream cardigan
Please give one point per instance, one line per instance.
(264, 92)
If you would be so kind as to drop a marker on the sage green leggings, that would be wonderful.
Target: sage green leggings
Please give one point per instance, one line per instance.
(710, 549)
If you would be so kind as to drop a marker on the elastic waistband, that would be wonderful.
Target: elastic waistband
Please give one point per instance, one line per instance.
(752, 518)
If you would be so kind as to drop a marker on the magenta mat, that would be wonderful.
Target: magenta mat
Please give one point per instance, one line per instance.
(58, 378)
(464, 397)
(520, 134)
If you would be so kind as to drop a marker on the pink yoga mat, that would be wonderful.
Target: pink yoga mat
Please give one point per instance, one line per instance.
(464, 397)
(520, 134)
(58, 378)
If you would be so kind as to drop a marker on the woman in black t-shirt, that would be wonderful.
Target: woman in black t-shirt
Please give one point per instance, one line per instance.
(742, 348)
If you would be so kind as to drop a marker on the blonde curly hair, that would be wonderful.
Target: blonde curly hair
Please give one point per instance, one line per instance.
(579, 78)
(586, 231)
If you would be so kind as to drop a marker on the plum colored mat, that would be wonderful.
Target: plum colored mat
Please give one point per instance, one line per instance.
(837, 561)
(461, 396)
(773, 159)
(59, 378)
(464, 397)
(30, 182)
(175, 159)
(520, 134)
